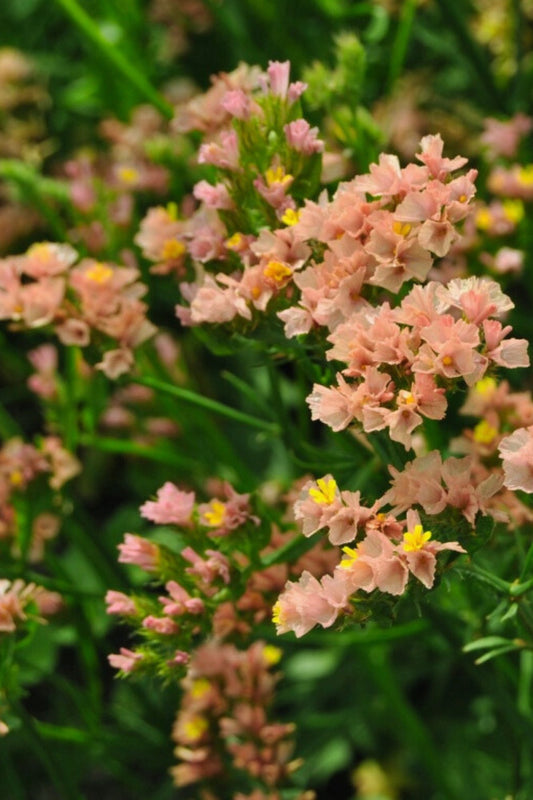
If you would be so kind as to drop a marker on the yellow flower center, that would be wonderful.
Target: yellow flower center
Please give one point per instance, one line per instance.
(235, 241)
(415, 539)
(277, 614)
(16, 477)
(513, 210)
(277, 175)
(484, 432)
(172, 248)
(128, 174)
(325, 493)
(485, 386)
(447, 361)
(217, 514)
(99, 273)
(40, 250)
(199, 688)
(271, 654)
(277, 271)
(401, 228)
(290, 217)
(525, 175)
(483, 219)
(195, 727)
(351, 557)
(405, 398)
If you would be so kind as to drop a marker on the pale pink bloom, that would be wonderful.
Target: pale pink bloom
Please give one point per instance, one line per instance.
(238, 104)
(420, 553)
(161, 236)
(399, 258)
(180, 602)
(163, 625)
(224, 154)
(139, 551)
(41, 300)
(173, 506)
(389, 572)
(296, 320)
(437, 236)
(208, 570)
(477, 298)
(180, 658)
(418, 483)
(505, 260)
(126, 661)
(43, 381)
(387, 179)
(303, 605)
(333, 405)
(502, 137)
(45, 259)
(45, 526)
(318, 502)
(278, 77)
(63, 464)
(74, 332)
(300, 136)
(14, 596)
(419, 307)
(516, 451)
(223, 516)
(274, 191)
(116, 362)
(509, 353)
(216, 196)
(451, 350)
(120, 603)
(343, 526)
(431, 155)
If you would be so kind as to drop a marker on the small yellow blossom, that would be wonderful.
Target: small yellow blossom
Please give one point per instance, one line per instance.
(483, 219)
(405, 398)
(200, 688)
(234, 242)
(415, 539)
(217, 515)
(325, 494)
(271, 654)
(513, 210)
(16, 477)
(484, 432)
(128, 174)
(99, 273)
(172, 248)
(351, 557)
(290, 217)
(485, 386)
(277, 614)
(40, 250)
(277, 271)
(525, 175)
(277, 175)
(401, 228)
(195, 727)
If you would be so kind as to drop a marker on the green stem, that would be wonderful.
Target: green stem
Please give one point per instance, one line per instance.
(210, 405)
(135, 77)
(501, 586)
(401, 42)
(129, 448)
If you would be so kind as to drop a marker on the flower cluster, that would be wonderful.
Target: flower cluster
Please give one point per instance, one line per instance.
(46, 287)
(223, 723)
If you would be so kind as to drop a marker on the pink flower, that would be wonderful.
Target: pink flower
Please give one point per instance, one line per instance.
(216, 196)
(120, 603)
(173, 506)
(516, 451)
(116, 362)
(303, 605)
(136, 550)
(300, 136)
(126, 660)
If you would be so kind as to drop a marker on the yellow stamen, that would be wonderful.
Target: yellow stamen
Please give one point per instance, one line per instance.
(463, 198)
(325, 494)
(277, 614)
(217, 514)
(172, 248)
(16, 477)
(99, 273)
(513, 210)
(351, 557)
(525, 175)
(415, 539)
(271, 654)
(277, 271)
(405, 398)
(484, 432)
(40, 250)
(483, 219)
(195, 727)
(290, 217)
(199, 688)
(447, 361)
(401, 228)
(128, 174)
(276, 175)
(485, 386)
(235, 241)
